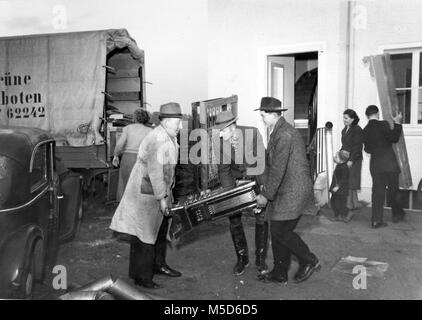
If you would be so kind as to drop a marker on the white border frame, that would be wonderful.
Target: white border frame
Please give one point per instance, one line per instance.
(399, 46)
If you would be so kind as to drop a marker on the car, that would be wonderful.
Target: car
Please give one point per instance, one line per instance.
(40, 207)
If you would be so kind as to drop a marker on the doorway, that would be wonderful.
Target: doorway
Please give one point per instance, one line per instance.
(293, 79)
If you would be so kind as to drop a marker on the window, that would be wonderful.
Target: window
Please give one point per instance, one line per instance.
(12, 183)
(407, 70)
(5, 180)
(39, 168)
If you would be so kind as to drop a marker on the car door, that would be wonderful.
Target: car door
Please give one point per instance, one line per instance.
(70, 204)
(44, 184)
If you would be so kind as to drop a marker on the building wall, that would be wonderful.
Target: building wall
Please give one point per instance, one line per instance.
(241, 32)
(386, 23)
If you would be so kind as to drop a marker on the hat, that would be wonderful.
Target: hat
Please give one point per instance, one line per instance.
(224, 119)
(270, 104)
(170, 110)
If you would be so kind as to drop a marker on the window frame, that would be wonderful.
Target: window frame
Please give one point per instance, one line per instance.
(413, 128)
(36, 186)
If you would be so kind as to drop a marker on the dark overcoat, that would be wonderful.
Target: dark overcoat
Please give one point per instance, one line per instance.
(341, 179)
(248, 162)
(378, 139)
(287, 180)
(352, 141)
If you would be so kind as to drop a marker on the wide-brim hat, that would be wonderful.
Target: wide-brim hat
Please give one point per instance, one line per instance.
(170, 110)
(270, 104)
(224, 119)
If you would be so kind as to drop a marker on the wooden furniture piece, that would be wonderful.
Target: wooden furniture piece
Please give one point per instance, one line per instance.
(381, 69)
(204, 114)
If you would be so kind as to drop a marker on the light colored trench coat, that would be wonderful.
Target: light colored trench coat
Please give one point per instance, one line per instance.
(151, 179)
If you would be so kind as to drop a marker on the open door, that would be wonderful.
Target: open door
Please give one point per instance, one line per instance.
(281, 83)
(292, 78)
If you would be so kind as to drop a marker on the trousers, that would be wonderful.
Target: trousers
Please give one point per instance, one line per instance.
(380, 182)
(143, 256)
(239, 238)
(339, 204)
(285, 242)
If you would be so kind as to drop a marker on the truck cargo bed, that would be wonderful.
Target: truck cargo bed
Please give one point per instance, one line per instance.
(82, 157)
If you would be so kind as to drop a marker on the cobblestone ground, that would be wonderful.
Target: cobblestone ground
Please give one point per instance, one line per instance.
(206, 257)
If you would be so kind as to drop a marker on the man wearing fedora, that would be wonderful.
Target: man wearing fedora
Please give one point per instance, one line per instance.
(240, 154)
(287, 193)
(143, 210)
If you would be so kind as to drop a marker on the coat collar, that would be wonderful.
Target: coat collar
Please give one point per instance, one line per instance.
(347, 130)
(280, 123)
(164, 133)
(372, 121)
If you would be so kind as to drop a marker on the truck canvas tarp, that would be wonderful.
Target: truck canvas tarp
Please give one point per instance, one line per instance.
(59, 82)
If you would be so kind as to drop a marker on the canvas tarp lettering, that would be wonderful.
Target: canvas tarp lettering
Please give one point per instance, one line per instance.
(56, 82)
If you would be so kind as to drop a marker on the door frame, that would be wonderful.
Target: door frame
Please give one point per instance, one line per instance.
(264, 52)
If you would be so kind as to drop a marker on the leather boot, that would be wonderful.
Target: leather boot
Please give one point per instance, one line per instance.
(241, 247)
(261, 246)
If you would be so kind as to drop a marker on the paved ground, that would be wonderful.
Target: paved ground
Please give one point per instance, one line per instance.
(206, 257)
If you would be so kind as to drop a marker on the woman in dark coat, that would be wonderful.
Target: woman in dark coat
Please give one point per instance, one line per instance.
(351, 139)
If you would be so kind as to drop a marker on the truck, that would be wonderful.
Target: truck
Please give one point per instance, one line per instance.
(81, 87)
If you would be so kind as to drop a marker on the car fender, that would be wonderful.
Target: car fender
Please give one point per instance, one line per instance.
(14, 254)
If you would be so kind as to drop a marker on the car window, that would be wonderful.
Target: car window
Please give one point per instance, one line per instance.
(5, 181)
(12, 183)
(39, 168)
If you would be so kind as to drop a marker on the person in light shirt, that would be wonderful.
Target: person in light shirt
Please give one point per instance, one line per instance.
(127, 147)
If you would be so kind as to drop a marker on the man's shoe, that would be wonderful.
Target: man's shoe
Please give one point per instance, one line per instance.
(242, 263)
(306, 270)
(377, 225)
(167, 271)
(147, 284)
(274, 278)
